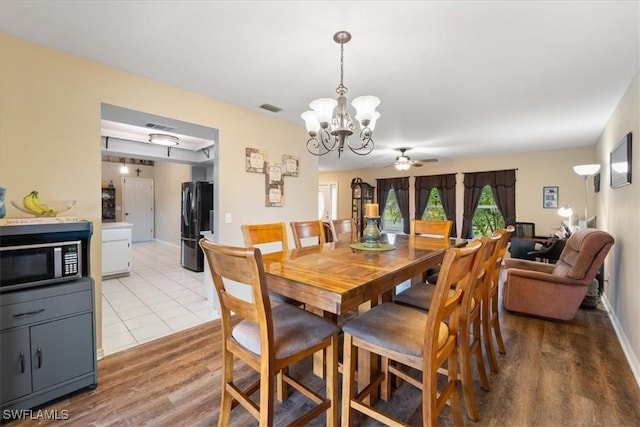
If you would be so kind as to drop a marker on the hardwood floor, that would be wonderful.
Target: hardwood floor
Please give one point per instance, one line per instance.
(554, 374)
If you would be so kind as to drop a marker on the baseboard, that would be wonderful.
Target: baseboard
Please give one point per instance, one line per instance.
(100, 353)
(626, 347)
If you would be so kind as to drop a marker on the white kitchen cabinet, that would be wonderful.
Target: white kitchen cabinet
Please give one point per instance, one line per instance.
(116, 249)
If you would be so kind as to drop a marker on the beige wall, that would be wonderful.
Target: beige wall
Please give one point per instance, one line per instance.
(534, 170)
(50, 139)
(619, 209)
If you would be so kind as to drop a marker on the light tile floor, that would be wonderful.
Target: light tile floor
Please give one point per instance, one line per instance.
(160, 297)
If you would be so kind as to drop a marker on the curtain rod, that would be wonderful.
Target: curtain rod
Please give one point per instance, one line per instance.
(515, 169)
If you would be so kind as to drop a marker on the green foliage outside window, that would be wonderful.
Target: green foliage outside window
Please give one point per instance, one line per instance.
(434, 211)
(487, 217)
(391, 217)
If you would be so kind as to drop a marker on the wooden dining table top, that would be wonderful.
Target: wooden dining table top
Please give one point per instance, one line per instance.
(336, 278)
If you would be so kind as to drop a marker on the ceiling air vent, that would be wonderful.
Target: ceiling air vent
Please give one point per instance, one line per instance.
(158, 126)
(271, 108)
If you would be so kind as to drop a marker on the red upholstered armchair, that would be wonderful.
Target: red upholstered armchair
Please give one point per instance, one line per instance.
(556, 291)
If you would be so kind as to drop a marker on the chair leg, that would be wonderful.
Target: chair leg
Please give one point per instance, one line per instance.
(281, 387)
(227, 378)
(454, 398)
(348, 380)
(266, 398)
(487, 326)
(495, 323)
(466, 376)
(332, 382)
(476, 348)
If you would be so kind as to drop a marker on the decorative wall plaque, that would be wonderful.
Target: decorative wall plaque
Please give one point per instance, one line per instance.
(256, 160)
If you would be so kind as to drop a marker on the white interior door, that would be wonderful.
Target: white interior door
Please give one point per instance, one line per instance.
(327, 196)
(137, 207)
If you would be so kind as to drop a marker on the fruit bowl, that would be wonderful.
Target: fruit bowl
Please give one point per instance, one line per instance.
(56, 206)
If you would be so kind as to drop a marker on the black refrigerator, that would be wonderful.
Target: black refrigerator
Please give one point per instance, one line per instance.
(197, 216)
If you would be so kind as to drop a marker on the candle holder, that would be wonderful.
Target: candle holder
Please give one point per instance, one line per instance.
(371, 233)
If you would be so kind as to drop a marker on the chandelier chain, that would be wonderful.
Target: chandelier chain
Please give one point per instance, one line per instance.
(341, 89)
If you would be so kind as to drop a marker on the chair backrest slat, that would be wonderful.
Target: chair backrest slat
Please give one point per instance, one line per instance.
(261, 234)
(438, 229)
(308, 229)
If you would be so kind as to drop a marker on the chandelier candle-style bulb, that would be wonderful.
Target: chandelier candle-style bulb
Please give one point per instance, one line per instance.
(329, 123)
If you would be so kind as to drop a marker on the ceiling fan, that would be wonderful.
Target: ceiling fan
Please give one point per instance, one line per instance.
(404, 162)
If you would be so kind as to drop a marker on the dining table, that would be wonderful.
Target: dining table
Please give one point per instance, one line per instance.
(340, 277)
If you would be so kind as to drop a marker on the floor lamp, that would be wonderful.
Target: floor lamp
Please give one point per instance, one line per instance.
(586, 171)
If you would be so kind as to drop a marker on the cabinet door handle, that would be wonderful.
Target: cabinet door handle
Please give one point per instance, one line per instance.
(39, 354)
(29, 313)
(22, 362)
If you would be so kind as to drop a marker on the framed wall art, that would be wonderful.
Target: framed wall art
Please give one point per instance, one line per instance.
(274, 186)
(290, 165)
(621, 162)
(550, 197)
(256, 160)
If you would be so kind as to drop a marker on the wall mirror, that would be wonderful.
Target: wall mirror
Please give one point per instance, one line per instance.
(621, 162)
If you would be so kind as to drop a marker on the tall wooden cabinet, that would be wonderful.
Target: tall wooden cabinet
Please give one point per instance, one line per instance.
(361, 194)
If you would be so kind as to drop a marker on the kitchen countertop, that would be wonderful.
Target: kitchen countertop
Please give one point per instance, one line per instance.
(110, 225)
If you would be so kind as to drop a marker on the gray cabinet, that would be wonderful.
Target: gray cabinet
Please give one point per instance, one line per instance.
(47, 343)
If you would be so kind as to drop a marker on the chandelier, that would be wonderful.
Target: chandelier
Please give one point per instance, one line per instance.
(329, 132)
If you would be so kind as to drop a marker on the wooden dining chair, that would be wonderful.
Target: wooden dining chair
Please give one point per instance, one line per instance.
(490, 312)
(437, 229)
(267, 339)
(344, 229)
(418, 340)
(308, 230)
(265, 234)
(470, 340)
(470, 343)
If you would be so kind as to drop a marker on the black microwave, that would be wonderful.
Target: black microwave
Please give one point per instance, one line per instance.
(23, 266)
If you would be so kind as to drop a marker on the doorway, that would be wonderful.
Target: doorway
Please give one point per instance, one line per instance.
(328, 201)
(137, 207)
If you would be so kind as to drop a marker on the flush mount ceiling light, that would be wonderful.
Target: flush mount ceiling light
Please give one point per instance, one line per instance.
(163, 139)
(329, 132)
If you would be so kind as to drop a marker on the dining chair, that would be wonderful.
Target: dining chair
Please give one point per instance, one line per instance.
(267, 339)
(268, 238)
(344, 229)
(490, 313)
(439, 229)
(470, 343)
(424, 342)
(305, 230)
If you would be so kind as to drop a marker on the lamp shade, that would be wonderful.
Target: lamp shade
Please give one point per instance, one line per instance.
(565, 211)
(311, 121)
(365, 107)
(372, 123)
(403, 166)
(586, 170)
(323, 108)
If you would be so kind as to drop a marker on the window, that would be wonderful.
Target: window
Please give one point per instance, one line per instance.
(391, 217)
(434, 210)
(487, 217)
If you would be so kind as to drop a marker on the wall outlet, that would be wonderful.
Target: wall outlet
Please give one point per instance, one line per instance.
(227, 218)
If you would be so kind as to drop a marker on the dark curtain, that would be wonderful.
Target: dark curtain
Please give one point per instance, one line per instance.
(446, 185)
(401, 188)
(503, 187)
(504, 193)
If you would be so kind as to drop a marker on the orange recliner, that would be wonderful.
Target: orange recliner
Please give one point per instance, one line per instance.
(556, 291)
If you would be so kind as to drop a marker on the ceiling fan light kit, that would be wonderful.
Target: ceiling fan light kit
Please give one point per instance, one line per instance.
(329, 132)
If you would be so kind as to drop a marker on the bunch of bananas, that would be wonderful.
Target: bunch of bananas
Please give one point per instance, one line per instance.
(33, 204)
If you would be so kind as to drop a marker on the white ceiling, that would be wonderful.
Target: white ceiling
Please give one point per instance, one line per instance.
(456, 78)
